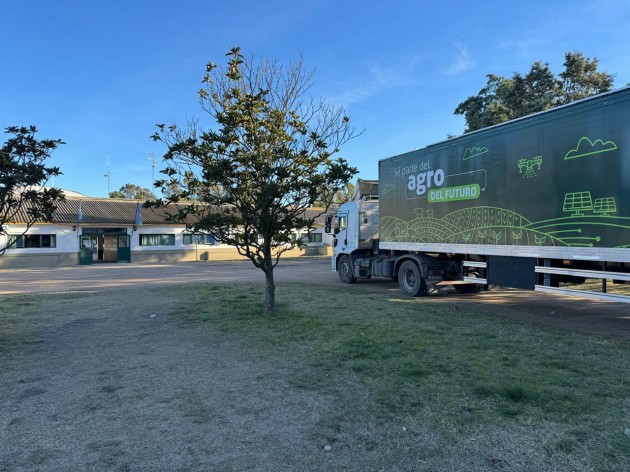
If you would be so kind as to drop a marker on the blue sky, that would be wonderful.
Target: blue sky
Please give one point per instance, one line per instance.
(100, 75)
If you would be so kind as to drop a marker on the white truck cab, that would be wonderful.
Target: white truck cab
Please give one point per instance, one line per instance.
(356, 228)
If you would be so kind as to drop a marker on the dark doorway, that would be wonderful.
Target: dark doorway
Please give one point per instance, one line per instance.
(104, 245)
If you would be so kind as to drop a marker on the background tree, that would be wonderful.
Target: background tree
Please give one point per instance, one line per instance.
(133, 192)
(503, 99)
(23, 175)
(268, 158)
(336, 197)
(344, 194)
(171, 189)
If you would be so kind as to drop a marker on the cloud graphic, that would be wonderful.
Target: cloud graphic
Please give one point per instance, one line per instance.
(474, 152)
(389, 188)
(586, 147)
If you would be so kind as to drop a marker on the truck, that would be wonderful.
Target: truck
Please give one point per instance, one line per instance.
(531, 203)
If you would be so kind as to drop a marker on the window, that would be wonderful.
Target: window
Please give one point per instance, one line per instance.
(314, 238)
(157, 240)
(342, 221)
(32, 241)
(206, 239)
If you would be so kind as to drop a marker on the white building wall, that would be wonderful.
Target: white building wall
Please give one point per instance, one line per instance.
(68, 240)
(64, 253)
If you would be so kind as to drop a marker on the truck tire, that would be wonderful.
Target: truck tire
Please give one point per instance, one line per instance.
(344, 269)
(410, 280)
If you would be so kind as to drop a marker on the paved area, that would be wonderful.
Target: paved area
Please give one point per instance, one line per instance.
(112, 276)
(577, 314)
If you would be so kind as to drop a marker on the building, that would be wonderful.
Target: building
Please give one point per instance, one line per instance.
(96, 230)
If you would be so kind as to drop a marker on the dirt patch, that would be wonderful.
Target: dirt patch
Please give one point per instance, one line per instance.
(582, 315)
(574, 314)
(130, 387)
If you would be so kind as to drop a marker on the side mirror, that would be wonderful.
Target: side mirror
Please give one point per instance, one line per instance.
(328, 224)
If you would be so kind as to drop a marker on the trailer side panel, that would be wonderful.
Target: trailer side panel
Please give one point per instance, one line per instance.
(552, 185)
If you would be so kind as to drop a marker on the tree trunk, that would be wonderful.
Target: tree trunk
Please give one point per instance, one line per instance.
(270, 293)
(270, 286)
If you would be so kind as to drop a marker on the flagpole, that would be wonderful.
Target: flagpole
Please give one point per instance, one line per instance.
(79, 218)
(138, 219)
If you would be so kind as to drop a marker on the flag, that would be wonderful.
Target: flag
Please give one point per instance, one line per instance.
(138, 220)
(80, 214)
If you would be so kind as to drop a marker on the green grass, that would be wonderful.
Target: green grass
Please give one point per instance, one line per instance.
(410, 385)
(561, 397)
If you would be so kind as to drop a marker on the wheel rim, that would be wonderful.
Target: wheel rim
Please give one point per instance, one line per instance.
(410, 279)
(345, 269)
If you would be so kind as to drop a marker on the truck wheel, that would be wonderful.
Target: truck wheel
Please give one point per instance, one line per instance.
(344, 269)
(410, 280)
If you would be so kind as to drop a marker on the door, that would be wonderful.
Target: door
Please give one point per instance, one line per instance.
(86, 245)
(340, 236)
(123, 248)
(99, 247)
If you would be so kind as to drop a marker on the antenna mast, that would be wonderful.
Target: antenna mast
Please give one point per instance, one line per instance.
(107, 175)
(152, 159)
